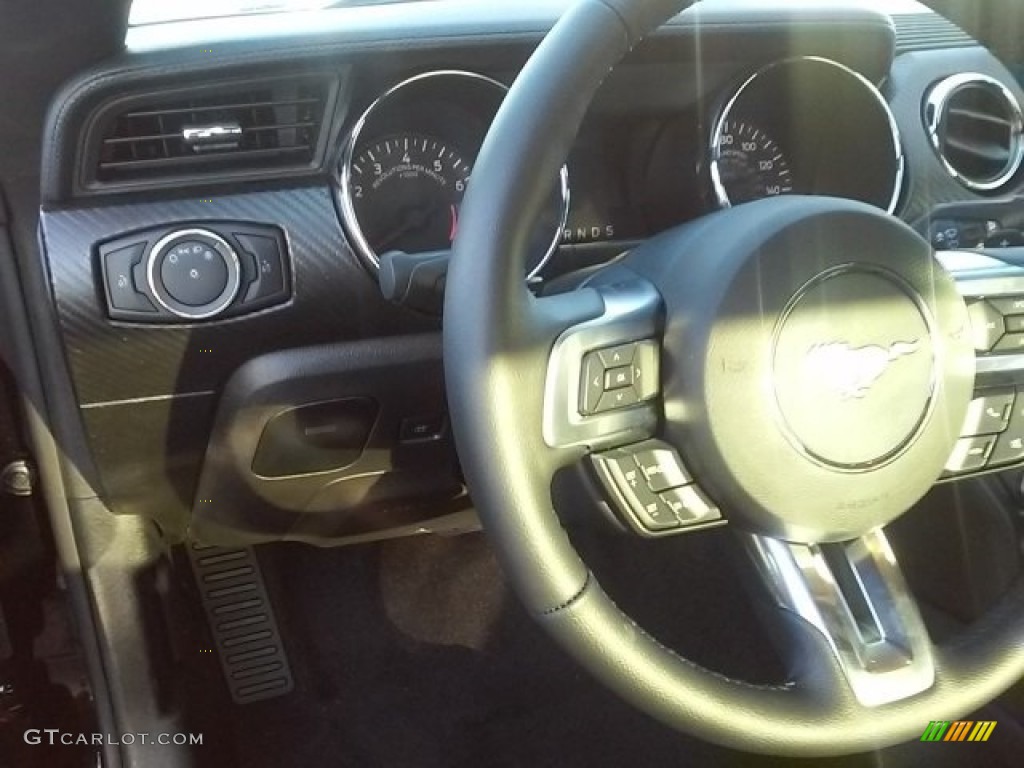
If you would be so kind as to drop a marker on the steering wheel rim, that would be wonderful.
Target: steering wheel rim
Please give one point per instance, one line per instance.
(497, 340)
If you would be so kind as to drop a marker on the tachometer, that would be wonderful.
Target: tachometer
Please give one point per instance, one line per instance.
(407, 166)
(406, 191)
(747, 164)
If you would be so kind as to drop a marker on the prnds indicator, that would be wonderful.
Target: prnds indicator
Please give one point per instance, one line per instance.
(577, 233)
(748, 164)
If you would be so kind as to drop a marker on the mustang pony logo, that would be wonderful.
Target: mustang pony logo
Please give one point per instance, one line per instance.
(852, 371)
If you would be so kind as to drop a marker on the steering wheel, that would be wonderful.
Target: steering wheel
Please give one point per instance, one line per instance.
(801, 364)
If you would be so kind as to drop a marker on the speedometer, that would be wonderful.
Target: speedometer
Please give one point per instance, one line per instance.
(747, 164)
(406, 190)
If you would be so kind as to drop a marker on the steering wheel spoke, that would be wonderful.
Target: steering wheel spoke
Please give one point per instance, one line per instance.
(853, 594)
(603, 378)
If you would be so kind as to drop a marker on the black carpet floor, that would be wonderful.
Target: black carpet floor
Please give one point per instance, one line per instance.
(413, 653)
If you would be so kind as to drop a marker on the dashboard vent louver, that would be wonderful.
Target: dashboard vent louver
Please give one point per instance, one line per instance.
(975, 125)
(255, 126)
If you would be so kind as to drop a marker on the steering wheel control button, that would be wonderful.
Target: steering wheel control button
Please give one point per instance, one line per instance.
(662, 468)
(654, 512)
(629, 484)
(691, 505)
(617, 399)
(624, 482)
(987, 325)
(1008, 305)
(652, 490)
(989, 414)
(829, 385)
(618, 377)
(1009, 449)
(971, 454)
(1011, 342)
(614, 357)
(123, 297)
(591, 383)
(193, 273)
(645, 369)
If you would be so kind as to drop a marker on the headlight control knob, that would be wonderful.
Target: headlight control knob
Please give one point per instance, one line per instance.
(193, 273)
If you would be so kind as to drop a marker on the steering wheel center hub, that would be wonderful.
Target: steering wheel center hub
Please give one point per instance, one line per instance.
(853, 368)
(818, 363)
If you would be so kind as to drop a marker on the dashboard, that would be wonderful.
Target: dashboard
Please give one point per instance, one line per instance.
(225, 221)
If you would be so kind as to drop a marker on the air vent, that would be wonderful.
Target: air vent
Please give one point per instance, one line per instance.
(265, 126)
(975, 124)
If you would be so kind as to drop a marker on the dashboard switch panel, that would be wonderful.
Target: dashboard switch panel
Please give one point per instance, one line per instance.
(188, 274)
(193, 273)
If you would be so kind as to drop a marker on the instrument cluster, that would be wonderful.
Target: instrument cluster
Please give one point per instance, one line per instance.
(803, 125)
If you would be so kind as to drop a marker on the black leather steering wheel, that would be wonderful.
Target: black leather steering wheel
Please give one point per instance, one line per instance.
(815, 367)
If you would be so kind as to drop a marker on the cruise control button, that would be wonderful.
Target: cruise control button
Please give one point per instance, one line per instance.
(613, 357)
(1009, 449)
(1008, 305)
(989, 413)
(691, 505)
(662, 469)
(620, 398)
(971, 453)
(1011, 342)
(653, 512)
(648, 508)
(986, 325)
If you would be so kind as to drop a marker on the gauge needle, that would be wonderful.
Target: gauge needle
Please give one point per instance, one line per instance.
(455, 223)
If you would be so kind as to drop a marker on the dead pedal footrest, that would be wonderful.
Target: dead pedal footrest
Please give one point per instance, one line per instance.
(242, 622)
